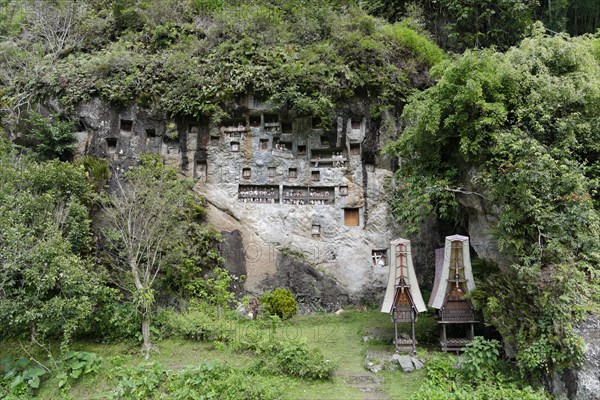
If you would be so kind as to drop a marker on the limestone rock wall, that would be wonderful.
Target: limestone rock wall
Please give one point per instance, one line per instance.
(588, 376)
(277, 183)
(582, 383)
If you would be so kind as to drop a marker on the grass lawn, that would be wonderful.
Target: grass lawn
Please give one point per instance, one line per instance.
(338, 337)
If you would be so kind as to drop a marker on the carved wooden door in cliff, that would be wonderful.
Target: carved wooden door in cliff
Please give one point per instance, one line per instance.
(351, 216)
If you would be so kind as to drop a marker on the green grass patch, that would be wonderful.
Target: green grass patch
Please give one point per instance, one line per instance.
(337, 337)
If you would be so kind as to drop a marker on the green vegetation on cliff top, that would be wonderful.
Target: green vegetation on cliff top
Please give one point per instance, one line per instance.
(192, 58)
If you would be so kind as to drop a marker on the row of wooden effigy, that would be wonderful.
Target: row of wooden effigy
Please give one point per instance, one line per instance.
(303, 202)
(453, 280)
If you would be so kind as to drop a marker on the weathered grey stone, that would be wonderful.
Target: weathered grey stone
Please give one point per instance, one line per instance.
(374, 367)
(406, 363)
(418, 364)
(232, 249)
(587, 378)
(379, 360)
(482, 220)
(244, 312)
(337, 257)
(311, 287)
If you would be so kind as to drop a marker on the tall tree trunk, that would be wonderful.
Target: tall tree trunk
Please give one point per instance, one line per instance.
(146, 334)
(145, 309)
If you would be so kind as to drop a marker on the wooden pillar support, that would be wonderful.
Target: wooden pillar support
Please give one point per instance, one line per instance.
(444, 338)
(414, 338)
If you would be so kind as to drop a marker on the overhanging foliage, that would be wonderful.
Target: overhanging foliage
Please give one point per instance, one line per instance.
(194, 58)
(521, 130)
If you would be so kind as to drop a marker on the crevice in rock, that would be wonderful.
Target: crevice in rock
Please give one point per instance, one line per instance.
(312, 288)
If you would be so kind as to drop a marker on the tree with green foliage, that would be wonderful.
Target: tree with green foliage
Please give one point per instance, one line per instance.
(576, 17)
(48, 286)
(48, 139)
(144, 230)
(461, 24)
(486, 23)
(198, 57)
(518, 133)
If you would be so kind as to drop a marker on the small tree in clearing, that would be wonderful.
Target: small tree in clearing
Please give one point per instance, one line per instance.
(143, 215)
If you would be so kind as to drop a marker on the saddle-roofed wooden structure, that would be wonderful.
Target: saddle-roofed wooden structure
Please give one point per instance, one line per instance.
(453, 280)
(403, 300)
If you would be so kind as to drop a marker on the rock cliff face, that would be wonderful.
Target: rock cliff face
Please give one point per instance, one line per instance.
(583, 383)
(313, 288)
(587, 379)
(277, 182)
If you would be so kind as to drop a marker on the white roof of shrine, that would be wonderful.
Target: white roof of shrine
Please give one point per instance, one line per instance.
(396, 272)
(443, 267)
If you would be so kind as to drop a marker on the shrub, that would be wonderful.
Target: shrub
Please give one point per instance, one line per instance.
(75, 364)
(213, 289)
(488, 391)
(216, 380)
(208, 6)
(20, 377)
(139, 382)
(211, 380)
(287, 357)
(195, 325)
(427, 330)
(97, 170)
(280, 302)
(294, 358)
(480, 358)
(442, 372)
(50, 139)
(284, 357)
(424, 48)
(114, 319)
(478, 377)
(77, 228)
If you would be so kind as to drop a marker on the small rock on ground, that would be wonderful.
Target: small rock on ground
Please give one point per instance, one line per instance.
(376, 361)
(406, 363)
(418, 364)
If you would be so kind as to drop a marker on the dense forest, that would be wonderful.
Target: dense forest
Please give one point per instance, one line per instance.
(486, 107)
